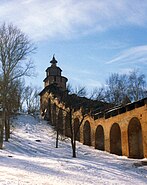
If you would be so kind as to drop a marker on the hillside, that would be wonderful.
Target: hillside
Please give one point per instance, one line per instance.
(30, 158)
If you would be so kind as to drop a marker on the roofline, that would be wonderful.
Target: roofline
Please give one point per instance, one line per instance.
(55, 75)
(52, 67)
(121, 109)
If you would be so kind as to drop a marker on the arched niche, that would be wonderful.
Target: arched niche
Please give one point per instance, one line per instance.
(135, 139)
(99, 138)
(67, 125)
(77, 129)
(115, 140)
(87, 134)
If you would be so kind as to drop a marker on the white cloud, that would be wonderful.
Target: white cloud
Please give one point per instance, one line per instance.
(47, 19)
(132, 55)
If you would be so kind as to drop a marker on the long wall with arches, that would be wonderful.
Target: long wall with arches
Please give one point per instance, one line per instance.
(122, 134)
(121, 131)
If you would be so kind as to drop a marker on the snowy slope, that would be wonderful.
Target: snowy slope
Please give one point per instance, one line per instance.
(30, 158)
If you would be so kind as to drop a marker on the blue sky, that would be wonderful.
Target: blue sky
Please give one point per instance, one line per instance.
(90, 39)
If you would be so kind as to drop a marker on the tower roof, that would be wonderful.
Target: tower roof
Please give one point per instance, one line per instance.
(53, 65)
(53, 61)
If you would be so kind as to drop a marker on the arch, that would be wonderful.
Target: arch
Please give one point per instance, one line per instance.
(87, 134)
(77, 129)
(115, 140)
(135, 139)
(60, 122)
(99, 138)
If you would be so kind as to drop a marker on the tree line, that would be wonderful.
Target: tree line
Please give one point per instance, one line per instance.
(120, 89)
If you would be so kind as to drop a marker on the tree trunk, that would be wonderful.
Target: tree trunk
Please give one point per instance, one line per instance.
(74, 149)
(57, 138)
(1, 133)
(6, 125)
(6, 130)
(73, 142)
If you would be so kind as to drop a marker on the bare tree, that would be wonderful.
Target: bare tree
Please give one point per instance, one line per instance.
(69, 88)
(31, 98)
(21, 92)
(116, 88)
(15, 51)
(74, 102)
(98, 94)
(74, 132)
(12, 103)
(136, 85)
(122, 87)
(78, 90)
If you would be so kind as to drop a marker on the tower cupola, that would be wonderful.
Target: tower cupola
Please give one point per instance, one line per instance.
(53, 75)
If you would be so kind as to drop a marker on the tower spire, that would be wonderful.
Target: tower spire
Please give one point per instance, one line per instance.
(53, 61)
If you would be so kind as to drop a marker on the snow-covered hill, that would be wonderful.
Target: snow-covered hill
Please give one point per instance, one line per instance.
(30, 158)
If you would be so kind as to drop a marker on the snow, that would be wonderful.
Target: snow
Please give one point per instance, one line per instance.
(30, 158)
